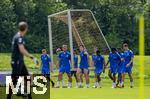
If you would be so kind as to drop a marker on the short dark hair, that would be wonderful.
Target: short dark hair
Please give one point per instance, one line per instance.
(43, 48)
(126, 42)
(22, 26)
(113, 49)
(81, 46)
(98, 52)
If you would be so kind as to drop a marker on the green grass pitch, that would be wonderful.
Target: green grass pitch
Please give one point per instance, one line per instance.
(106, 92)
(103, 93)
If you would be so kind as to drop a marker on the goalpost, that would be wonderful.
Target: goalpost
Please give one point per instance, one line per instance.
(75, 27)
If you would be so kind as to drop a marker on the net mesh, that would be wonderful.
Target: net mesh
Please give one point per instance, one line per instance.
(84, 29)
(88, 31)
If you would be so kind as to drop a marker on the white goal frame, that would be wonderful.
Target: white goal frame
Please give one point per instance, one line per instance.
(68, 12)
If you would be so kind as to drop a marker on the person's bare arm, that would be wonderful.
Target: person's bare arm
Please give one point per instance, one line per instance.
(51, 66)
(129, 63)
(24, 51)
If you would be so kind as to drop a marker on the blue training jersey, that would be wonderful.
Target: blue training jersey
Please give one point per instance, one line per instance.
(84, 60)
(122, 61)
(75, 61)
(114, 59)
(98, 61)
(128, 55)
(64, 59)
(45, 59)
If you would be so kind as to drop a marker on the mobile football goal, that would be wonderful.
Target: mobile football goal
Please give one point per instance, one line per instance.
(75, 27)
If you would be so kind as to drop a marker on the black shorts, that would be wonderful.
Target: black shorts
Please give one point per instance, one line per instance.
(19, 68)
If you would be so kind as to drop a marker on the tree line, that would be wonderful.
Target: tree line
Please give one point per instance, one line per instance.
(118, 19)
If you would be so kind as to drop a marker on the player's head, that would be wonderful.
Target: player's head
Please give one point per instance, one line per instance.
(125, 46)
(64, 48)
(98, 52)
(81, 48)
(44, 51)
(113, 50)
(23, 27)
(119, 50)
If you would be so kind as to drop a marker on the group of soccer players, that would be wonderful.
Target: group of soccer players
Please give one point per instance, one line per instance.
(121, 62)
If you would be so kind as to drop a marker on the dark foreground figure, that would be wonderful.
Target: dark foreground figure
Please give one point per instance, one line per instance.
(17, 59)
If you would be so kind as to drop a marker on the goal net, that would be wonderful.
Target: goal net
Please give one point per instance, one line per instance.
(74, 28)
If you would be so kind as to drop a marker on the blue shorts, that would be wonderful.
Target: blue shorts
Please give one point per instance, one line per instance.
(114, 70)
(98, 71)
(83, 67)
(45, 71)
(65, 70)
(120, 69)
(127, 70)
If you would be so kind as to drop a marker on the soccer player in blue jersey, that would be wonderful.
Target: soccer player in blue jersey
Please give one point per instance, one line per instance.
(114, 60)
(64, 63)
(74, 70)
(83, 68)
(58, 51)
(46, 65)
(99, 64)
(120, 67)
(128, 64)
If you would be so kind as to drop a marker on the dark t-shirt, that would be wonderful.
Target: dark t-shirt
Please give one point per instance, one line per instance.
(16, 54)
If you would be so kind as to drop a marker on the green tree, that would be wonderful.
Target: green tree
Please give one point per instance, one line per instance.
(7, 24)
